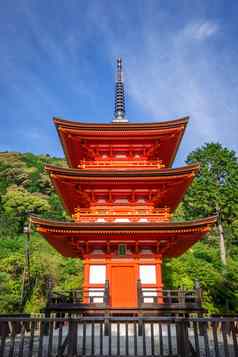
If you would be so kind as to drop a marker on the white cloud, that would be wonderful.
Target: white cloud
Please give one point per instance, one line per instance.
(201, 30)
(172, 76)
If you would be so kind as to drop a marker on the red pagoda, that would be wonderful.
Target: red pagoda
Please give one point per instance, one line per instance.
(121, 192)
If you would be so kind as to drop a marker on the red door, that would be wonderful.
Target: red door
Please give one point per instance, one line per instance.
(123, 286)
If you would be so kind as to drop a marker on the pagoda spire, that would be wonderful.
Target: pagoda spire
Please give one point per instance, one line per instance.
(119, 114)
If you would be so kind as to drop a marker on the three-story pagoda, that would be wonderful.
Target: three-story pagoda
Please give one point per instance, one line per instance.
(121, 192)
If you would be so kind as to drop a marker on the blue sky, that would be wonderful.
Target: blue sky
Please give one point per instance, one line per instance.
(57, 58)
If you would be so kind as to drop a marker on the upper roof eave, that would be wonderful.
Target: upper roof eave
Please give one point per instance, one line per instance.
(118, 126)
(152, 127)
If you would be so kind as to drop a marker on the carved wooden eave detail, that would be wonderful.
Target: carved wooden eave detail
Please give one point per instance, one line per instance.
(75, 186)
(74, 136)
(190, 169)
(172, 238)
(168, 227)
(169, 124)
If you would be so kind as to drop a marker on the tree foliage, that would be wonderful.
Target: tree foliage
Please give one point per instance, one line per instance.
(213, 191)
(216, 185)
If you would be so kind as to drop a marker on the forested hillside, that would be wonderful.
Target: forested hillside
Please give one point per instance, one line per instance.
(25, 187)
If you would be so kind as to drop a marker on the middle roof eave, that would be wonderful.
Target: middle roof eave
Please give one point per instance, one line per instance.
(73, 185)
(70, 172)
(97, 227)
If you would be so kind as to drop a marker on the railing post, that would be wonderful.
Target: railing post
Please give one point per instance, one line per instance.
(139, 293)
(106, 300)
(181, 297)
(106, 294)
(198, 292)
(49, 291)
(169, 299)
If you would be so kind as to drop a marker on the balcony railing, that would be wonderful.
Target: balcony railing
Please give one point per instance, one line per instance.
(137, 214)
(81, 296)
(121, 164)
(180, 297)
(146, 297)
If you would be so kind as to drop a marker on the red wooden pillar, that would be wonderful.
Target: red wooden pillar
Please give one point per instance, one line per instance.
(86, 267)
(159, 279)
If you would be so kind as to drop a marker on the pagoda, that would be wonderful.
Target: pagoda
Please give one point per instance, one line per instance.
(121, 191)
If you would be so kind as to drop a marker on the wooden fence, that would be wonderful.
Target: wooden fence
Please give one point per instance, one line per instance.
(118, 336)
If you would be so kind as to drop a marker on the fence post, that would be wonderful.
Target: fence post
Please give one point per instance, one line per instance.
(140, 327)
(182, 338)
(46, 324)
(106, 325)
(72, 340)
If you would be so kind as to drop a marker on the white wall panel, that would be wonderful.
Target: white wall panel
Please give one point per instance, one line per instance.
(147, 274)
(149, 295)
(96, 295)
(97, 274)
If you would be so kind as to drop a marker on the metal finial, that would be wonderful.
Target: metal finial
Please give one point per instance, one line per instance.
(119, 114)
(119, 70)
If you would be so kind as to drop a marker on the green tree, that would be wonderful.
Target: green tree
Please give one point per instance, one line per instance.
(215, 190)
(19, 202)
(9, 226)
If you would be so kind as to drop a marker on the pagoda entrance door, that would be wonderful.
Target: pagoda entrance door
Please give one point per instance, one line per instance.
(123, 285)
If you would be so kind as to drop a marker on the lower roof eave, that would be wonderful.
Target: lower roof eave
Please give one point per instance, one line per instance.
(174, 238)
(125, 226)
